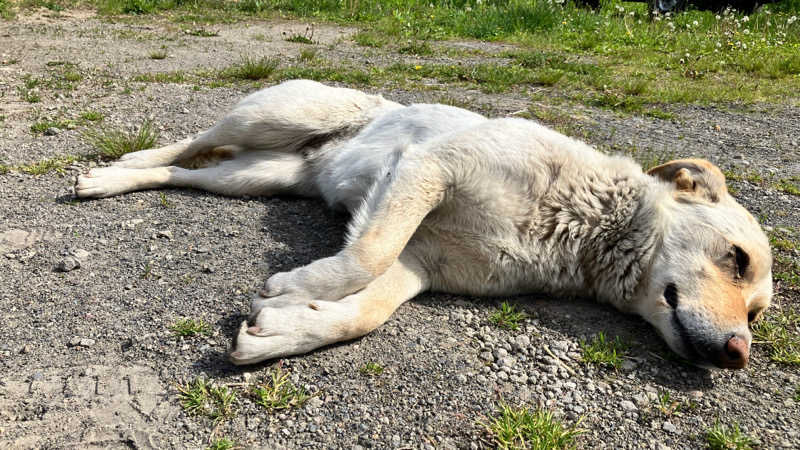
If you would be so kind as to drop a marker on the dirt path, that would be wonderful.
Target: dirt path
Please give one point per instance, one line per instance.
(87, 358)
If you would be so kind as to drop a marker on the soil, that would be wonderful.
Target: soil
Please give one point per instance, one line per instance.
(87, 359)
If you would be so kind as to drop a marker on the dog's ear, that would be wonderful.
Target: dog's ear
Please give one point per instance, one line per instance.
(695, 177)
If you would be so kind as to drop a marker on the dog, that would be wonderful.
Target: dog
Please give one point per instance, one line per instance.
(445, 199)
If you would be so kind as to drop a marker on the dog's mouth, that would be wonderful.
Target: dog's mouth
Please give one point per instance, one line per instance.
(703, 352)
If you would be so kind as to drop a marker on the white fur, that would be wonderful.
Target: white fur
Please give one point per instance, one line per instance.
(445, 199)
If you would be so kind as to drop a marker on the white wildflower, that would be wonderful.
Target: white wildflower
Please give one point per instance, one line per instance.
(695, 23)
(791, 20)
(717, 17)
(745, 19)
(746, 31)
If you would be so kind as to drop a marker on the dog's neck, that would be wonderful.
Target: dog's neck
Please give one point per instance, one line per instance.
(617, 261)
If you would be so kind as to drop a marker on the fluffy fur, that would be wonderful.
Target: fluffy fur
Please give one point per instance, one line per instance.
(444, 199)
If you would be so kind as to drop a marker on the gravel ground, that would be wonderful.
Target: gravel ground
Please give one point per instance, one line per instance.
(89, 289)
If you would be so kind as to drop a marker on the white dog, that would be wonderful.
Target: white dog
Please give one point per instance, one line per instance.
(445, 199)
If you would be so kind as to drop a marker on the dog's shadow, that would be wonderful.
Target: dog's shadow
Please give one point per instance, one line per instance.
(300, 231)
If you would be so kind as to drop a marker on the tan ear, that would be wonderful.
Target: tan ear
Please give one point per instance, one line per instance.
(696, 177)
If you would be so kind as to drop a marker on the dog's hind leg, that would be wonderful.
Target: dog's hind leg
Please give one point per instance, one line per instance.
(279, 329)
(281, 118)
(257, 173)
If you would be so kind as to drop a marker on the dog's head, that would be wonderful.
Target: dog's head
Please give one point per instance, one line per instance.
(712, 275)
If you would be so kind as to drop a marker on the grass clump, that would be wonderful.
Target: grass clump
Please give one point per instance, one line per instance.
(190, 327)
(602, 351)
(252, 69)
(222, 444)
(112, 144)
(92, 116)
(788, 185)
(519, 428)
(779, 332)
(371, 369)
(158, 54)
(721, 437)
(49, 165)
(278, 392)
(507, 317)
(201, 398)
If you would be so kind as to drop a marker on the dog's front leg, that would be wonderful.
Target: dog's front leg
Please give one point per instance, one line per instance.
(288, 325)
(379, 233)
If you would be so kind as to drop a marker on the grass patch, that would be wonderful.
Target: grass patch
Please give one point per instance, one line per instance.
(507, 317)
(161, 77)
(44, 125)
(279, 392)
(520, 428)
(371, 369)
(111, 144)
(190, 327)
(370, 39)
(252, 69)
(158, 54)
(222, 444)
(779, 332)
(29, 95)
(201, 398)
(604, 352)
(308, 54)
(721, 437)
(49, 165)
(92, 116)
(788, 185)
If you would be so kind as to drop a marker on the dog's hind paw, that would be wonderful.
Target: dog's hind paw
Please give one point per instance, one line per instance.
(105, 182)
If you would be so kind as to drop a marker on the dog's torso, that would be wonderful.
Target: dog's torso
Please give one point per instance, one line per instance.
(521, 214)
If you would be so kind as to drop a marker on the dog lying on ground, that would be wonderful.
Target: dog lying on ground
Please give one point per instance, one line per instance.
(444, 199)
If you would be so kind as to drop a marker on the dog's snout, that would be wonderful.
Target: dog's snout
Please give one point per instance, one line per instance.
(735, 353)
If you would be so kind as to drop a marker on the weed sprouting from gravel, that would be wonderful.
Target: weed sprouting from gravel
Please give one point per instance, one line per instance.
(797, 394)
(507, 317)
(222, 444)
(308, 54)
(252, 69)
(519, 428)
(371, 369)
(603, 351)
(278, 392)
(202, 398)
(790, 186)
(158, 54)
(49, 165)
(779, 332)
(112, 144)
(190, 327)
(162, 199)
(721, 437)
(92, 116)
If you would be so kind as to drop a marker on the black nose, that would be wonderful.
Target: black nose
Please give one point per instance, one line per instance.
(734, 354)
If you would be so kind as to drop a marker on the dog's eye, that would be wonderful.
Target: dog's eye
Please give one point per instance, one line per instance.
(671, 295)
(742, 261)
(753, 315)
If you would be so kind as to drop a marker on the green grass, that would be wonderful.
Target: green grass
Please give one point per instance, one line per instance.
(5, 9)
(201, 398)
(190, 327)
(372, 39)
(507, 317)
(788, 185)
(42, 126)
(779, 332)
(371, 369)
(520, 428)
(222, 444)
(161, 77)
(604, 352)
(158, 54)
(278, 392)
(92, 116)
(49, 165)
(112, 144)
(252, 69)
(721, 437)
